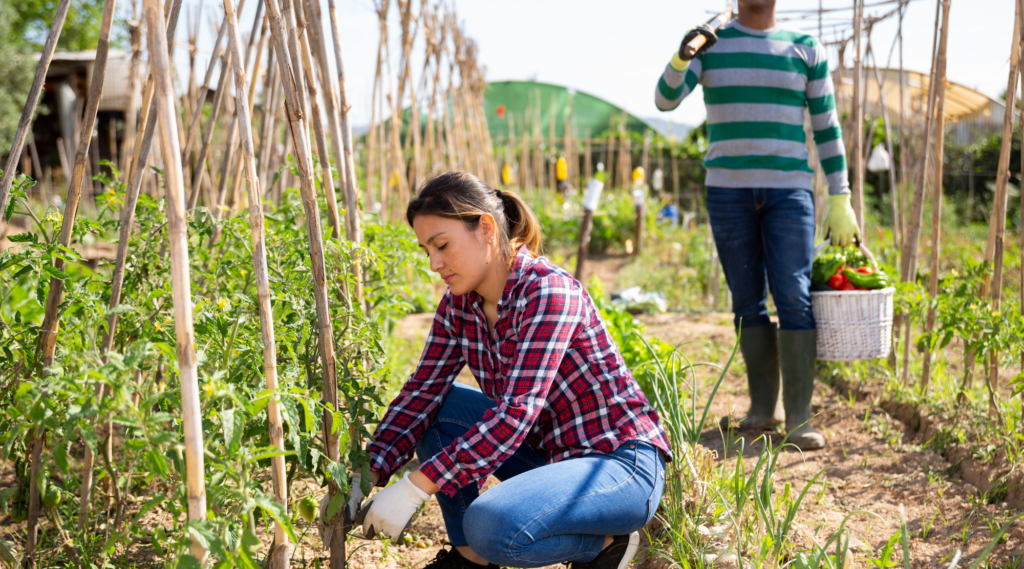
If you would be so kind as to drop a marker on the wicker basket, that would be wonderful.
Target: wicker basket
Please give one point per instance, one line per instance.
(853, 325)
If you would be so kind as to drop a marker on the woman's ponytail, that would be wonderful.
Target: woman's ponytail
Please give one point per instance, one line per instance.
(461, 195)
(523, 227)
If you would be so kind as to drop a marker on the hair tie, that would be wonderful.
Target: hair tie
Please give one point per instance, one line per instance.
(498, 194)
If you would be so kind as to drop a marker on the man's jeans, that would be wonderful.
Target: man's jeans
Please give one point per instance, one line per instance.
(543, 514)
(765, 240)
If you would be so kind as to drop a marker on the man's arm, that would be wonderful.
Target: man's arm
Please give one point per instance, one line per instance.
(677, 82)
(828, 135)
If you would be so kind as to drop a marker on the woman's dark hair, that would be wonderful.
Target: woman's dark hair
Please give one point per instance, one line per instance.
(463, 196)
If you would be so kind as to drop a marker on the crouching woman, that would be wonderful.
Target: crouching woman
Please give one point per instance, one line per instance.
(559, 419)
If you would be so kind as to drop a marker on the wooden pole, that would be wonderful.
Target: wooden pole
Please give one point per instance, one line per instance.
(1021, 209)
(997, 231)
(940, 124)
(318, 127)
(198, 111)
(117, 281)
(315, 32)
(177, 234)
(291, 80)
(33, 99)
(218, 101)
(893, 193)
(350, 195)
(857, 152)
(908, 258)
(901, 220)
(271, 98)
(591, 198)
(131, 114)
(48, 331)
(280, 554)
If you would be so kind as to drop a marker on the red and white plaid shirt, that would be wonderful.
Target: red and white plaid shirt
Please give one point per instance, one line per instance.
(556, 375)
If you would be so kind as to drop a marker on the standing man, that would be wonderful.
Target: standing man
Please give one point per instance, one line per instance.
(758, 79)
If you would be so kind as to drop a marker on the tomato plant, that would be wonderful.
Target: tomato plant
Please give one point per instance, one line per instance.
(140, 469)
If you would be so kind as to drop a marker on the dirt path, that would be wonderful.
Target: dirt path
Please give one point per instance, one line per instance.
(872, 463)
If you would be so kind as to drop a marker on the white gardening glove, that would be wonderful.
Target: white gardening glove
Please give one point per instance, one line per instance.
(391, 509)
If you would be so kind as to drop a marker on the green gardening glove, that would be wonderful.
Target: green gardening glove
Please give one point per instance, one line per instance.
(840, 223)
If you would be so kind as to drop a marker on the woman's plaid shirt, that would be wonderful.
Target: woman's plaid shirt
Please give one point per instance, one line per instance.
(556, 375)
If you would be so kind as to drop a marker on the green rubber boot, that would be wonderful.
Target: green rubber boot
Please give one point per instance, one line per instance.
(759, 346)
(797, 349)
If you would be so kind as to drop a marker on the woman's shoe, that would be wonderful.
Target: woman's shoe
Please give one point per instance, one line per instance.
(452, 559)
(615, 556)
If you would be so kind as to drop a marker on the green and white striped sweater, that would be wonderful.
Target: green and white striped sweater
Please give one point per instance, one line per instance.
(756, 86)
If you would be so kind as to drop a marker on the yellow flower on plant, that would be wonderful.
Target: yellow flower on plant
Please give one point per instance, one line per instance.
(221, 303)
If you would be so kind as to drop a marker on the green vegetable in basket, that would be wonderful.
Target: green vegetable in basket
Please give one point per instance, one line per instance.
(827, 265)
(867, 280)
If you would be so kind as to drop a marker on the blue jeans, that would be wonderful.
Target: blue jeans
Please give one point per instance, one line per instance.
(765, 240)
(543, 514)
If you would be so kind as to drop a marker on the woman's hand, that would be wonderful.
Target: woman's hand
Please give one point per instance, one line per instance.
(390, 510)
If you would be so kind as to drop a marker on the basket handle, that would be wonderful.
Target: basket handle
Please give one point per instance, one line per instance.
(860, 244)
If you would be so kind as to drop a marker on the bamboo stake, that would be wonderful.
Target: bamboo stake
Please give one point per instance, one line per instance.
(192, 126)
(130, 122)
(218, 101)
(346, 159)
(148, 127)
(892, 158)
(318, 127)
(857, 152)
(280, 554)
(290, 80)
(908, 259)
(940, 124)
(371, 135)
(999, 207)
(271, 97)
(1022, 215)
(320, 56)
(902, 221)
(48, 330)
(33, 99)
(177, 234)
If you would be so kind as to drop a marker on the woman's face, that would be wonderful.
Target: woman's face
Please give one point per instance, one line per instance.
(461, 256)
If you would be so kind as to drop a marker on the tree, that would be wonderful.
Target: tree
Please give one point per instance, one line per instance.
(33, 18)
(16, 69)
(24, 26)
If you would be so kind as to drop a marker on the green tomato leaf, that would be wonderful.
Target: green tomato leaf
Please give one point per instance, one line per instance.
(23, 237)
(55, 272)
(277, 512)
(334, 505)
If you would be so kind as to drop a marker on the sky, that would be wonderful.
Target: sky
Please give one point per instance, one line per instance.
(616, 50)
